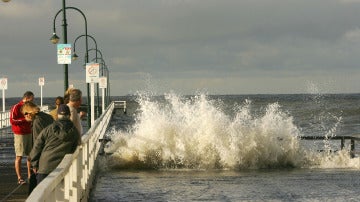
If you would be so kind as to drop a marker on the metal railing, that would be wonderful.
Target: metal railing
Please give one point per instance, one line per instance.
(352, 138)
(120, 105)
(72, 179)
(5, 119)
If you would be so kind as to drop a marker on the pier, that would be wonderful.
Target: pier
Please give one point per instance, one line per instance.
(73, 179)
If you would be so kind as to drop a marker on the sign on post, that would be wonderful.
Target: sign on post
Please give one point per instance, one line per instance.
(92, 77)
(41, 84)
(102, 82)
(41, 81)
(103, 85)
(4, 86)
(64, 53)
(92, 72)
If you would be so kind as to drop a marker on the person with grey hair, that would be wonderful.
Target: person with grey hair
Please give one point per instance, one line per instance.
(54, 142)
(75, 100)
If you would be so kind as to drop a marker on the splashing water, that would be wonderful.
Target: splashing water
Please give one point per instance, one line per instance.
(195, 133)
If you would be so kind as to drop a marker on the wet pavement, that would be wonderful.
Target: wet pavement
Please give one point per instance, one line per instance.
(9, 189)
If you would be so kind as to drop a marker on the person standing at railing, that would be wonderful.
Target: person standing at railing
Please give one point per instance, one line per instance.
(75, 100)
(22, 135)
(39, 120)
(54, 142)
(58, 101)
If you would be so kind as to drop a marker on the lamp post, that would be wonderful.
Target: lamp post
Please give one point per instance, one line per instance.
(75, 56)
(54, 39)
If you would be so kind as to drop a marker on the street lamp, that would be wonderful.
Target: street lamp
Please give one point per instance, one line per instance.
(53, 39)
(75, 56)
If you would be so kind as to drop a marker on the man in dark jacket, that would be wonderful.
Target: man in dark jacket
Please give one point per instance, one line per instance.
(53, 143)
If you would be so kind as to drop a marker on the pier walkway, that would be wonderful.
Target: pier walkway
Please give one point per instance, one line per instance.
(9, 189)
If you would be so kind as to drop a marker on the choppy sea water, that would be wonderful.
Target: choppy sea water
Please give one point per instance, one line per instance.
(231, 148)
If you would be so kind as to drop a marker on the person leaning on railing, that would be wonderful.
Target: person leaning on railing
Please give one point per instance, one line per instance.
(54, 142)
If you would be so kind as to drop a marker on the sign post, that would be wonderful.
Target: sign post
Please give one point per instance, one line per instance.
(4, 86)
(92, 77)
(41, 84)
(103, 85)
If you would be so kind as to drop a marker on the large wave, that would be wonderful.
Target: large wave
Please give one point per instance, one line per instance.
(196, 133)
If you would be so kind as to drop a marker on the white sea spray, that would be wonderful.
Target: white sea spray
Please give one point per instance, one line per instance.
(196, 133)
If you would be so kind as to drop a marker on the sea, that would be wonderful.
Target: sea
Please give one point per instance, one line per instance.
(231, 148)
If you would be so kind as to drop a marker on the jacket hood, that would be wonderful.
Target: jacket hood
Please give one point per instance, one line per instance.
(63, 129)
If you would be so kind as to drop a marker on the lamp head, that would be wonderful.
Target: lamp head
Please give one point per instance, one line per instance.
(54, 39)
(75, 57)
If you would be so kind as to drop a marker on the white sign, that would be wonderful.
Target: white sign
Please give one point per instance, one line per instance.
(64, 53)
(3, 83)
(92, 72)
(41, 81)
(102, 82)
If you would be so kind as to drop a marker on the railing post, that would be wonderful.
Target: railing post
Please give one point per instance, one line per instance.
(352, 148)
(342, 142)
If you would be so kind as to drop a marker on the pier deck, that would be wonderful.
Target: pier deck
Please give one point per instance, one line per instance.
(9, 189)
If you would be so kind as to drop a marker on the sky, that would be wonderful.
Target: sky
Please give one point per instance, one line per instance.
(187, 46)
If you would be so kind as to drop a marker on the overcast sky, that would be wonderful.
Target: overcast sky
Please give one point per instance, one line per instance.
(187, 46)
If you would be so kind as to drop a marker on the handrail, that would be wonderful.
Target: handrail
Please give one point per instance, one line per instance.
(72, 179)
(120, 105)
(352, 139)
(5, 119)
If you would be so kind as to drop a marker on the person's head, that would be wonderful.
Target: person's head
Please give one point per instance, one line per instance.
(67, 95)
(75, 98)
(63, 112)
(59, 100)
(29, 109)
(28, 96)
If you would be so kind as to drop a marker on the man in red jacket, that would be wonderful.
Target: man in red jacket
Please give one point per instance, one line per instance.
(22, 135)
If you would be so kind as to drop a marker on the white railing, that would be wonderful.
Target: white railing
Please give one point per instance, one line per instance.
(120, 105)
(5, 119)
(72, 179)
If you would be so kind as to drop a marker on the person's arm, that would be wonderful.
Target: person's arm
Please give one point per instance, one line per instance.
(16, 117)
(37, 149)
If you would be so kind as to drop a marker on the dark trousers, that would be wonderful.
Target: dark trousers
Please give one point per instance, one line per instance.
(32, 182)
(40, 177)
